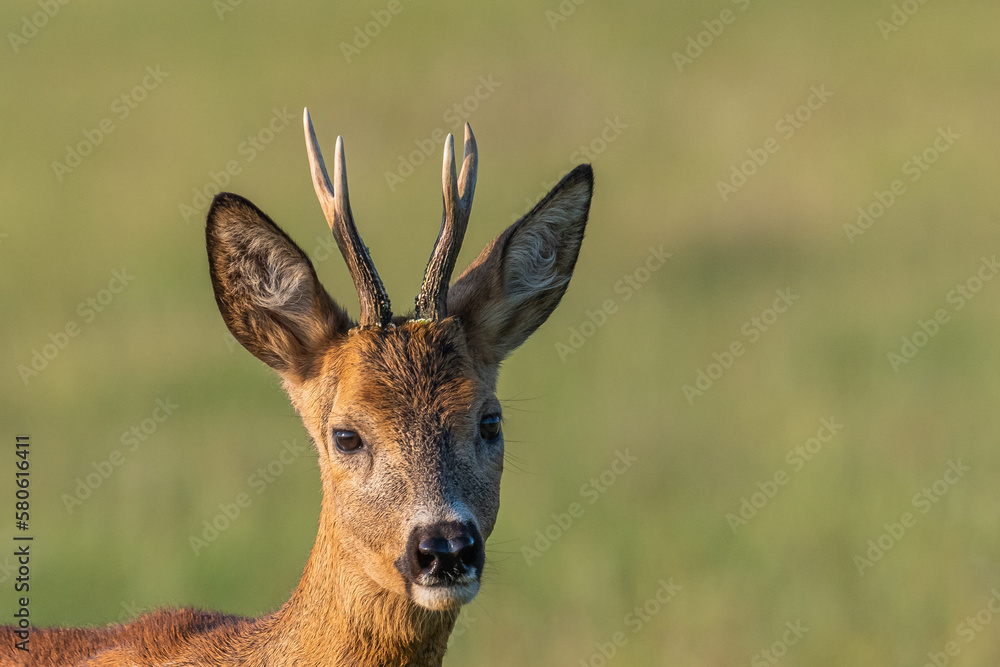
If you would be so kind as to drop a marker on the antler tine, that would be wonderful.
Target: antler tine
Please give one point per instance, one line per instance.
(336, 204)
(449, 180)
(432, 301)
(317, 168)
(470, 167)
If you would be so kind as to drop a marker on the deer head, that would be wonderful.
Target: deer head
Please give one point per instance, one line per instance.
(402, 409)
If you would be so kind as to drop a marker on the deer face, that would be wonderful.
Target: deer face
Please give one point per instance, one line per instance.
(413, 453)
(402, 410)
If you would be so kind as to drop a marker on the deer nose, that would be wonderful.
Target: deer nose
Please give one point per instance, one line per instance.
(445, 552)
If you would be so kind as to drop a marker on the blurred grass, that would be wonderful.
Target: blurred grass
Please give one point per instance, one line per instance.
(127, 546)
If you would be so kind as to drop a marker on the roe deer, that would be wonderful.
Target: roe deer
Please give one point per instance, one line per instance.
(402, 412)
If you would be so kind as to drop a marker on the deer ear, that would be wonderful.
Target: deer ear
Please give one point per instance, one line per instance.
(519, 278)
(267, 289)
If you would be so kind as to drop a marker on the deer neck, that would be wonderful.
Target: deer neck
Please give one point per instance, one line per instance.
(338, 615)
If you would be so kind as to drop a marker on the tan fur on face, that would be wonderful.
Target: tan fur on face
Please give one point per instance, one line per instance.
(415, 395)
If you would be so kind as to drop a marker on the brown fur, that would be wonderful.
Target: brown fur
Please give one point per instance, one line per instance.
(415, 393)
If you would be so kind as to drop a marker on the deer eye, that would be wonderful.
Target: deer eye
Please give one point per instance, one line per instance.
(347, 441)
(489, 428)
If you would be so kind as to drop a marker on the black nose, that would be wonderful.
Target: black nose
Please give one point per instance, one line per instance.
(444, 552)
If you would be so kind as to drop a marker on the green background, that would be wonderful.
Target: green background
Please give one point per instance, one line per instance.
(126, 547)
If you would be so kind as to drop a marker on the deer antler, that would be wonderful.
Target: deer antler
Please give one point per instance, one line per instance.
(432, 303)
(336, 204)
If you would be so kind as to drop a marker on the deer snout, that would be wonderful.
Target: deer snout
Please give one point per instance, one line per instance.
(442, 554)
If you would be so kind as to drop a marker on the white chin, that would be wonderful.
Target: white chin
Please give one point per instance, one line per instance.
(441, 598)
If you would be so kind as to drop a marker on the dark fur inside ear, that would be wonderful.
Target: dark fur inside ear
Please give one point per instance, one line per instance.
(519, 278)
(267, 290)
